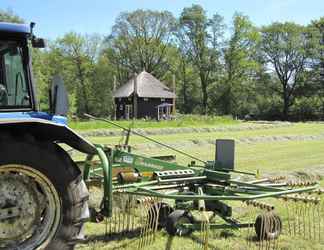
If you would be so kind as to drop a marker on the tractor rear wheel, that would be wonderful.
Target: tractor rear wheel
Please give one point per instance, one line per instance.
(43, 199)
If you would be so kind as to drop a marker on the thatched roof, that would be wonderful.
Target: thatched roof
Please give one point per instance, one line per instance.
(147, 86)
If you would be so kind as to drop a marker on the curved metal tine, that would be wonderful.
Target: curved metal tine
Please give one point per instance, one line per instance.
(251, 214)
(149, 220)
(123, 208)
(116, 215)
(145, 219)
(262, 232)
(278, 227)
(304, 207)
(297, 214)
(134, 216)
(142, 229)
(320, 210)
(206, 231)
(308, 208)
(120, 213)
(288, 217)
(300, 217)
(268, 228)
(314, 206)
(113, 219)
(128, 212)
(272, 227)
(158, 209)
(154, 206)
(294, 208)
(151, 208)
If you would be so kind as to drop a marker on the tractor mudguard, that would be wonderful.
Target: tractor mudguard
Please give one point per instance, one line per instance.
(47, 131)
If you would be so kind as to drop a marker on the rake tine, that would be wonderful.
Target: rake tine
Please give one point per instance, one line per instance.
(149, 222)
(249, 231)
(131, 212)
(207, 233)
(303, 210)
(268, 227)
(288, 217)
(123, 215)
(294, 208)
(141, 228)
(127, 208)
(298, 216)
(158, 205)
(277, 227)
(110, 224)
(314, 220)
(262, 233)
(271, 226)
(319, 221)
(308, 209)
(106, 227)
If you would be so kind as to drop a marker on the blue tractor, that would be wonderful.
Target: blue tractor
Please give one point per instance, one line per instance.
(43, 198)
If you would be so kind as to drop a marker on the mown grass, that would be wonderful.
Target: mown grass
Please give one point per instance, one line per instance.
(180, 121)
(276, 156)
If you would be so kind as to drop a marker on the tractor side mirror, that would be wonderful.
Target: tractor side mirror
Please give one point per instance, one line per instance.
(58, 97)
(38, 43)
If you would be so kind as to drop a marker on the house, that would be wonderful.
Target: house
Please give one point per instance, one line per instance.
(144, 96)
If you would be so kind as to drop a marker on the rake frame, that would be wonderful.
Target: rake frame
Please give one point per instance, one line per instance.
(170, 181)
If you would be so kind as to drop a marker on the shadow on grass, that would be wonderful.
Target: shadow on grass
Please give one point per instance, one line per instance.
(132, 236)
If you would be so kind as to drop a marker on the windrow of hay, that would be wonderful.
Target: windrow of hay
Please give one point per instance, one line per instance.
(244, 140)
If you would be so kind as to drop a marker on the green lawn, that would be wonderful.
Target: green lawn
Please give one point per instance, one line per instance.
(277, 150)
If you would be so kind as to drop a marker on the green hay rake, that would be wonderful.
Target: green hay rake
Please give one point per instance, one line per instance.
(142, 195)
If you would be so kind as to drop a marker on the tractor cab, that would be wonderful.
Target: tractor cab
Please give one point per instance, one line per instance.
(19, 111)
(17, 88)
(16, 93)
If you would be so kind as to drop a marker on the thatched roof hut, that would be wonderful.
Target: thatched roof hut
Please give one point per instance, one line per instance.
(142, 97)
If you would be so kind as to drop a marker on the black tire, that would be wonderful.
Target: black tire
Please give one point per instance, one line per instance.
(164, 211)
(53, 162)
(174, 221)
(268, 227)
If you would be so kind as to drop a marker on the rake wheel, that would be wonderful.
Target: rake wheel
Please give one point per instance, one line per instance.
(268, 227)
(175, 221)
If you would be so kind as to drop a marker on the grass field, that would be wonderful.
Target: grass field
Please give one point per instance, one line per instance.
(278, 149)
(181, 121)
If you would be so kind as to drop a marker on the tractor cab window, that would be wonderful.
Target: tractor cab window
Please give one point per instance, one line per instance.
(14, 91)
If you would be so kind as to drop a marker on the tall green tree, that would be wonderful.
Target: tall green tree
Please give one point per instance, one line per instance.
(10, 16)
(77, 56)
(240, 66)
(286, 47)
(317, 32)
(201, 36)
(140, 40)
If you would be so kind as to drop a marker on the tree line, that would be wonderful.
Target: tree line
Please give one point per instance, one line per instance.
(270, 72)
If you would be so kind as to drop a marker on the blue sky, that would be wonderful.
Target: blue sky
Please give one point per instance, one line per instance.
(56, 17)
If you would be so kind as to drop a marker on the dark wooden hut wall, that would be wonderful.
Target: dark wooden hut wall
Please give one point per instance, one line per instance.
(147, 107)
